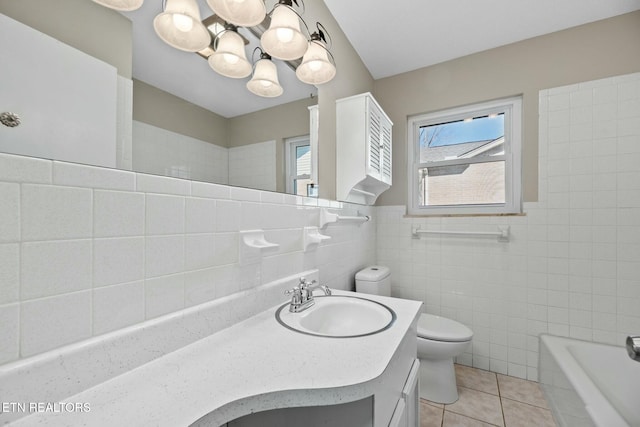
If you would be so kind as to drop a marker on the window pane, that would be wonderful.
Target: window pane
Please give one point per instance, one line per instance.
(472, 184)
(303, 160)
(462, 139)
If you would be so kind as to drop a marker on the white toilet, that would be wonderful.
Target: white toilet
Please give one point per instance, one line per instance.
(439, 340)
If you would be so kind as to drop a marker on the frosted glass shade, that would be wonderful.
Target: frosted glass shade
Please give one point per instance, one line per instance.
(123, 5)
(243, 13)
(283, 39)
(265, 80)
(316, 67)
(229, 58)
(179, 26)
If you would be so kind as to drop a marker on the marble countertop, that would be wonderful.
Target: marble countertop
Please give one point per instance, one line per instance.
(254, 365)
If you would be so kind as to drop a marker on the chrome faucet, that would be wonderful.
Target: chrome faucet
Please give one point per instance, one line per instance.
(633, 347)
(302, 295)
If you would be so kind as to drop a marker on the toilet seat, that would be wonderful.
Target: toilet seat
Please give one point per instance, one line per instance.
(439, 328)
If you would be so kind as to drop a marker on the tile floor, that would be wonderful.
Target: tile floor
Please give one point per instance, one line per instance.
(489, 399)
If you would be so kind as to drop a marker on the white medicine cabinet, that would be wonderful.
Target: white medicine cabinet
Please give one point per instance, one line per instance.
(363, 152)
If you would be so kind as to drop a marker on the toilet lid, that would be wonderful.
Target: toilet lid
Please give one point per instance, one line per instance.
(442, 329)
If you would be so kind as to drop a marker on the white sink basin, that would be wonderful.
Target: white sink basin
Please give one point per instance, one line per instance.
(338, 316)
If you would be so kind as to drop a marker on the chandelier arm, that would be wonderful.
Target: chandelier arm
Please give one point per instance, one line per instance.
(216, 39)
(323, 32)
(253, 54)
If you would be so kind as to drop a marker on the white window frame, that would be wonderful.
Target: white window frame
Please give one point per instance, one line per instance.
(290, 160)
(512, 109)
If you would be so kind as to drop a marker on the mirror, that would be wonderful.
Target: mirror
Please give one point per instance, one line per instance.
(168, 112)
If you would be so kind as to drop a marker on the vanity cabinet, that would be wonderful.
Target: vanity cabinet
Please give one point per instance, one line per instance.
(363, 149)
(393, 403)
(407, 410)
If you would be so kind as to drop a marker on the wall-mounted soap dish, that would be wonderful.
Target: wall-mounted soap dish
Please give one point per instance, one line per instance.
(311, 238)
(253, 246)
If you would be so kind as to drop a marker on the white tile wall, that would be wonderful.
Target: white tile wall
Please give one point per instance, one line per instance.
(83, 253)
(253, 165)
(9, 273)
(55, 212)
(117, 306)
(77, 175)
(118, 260)
(10, 212)
(118, 213)
(162, 152)
(52, 322)
(572, 267)
(54, 267)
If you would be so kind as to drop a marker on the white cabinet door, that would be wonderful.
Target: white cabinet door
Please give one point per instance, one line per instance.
(407, 412)
(374, 131)
(399, 418)
(410, 393)
(379, 143)
(386, 148)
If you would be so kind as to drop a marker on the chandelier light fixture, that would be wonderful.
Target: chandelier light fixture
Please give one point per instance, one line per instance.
(283, 39)
(179, 26)
(229, 58)
(317, 65)
(122, 5)
(265, 77)
(283, 35)
(242, 13)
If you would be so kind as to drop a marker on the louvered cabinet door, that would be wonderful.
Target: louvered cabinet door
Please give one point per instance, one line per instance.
(376, 148)
(386, 148)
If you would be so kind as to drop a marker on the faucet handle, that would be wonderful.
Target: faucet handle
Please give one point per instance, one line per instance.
(296, 294)
(295, 289)
(304, 283)
(633, 347)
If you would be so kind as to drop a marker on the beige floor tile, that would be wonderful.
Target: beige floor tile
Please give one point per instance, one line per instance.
(522, 391)
(479, 405)
(476, 379)
(518, 414)
(430, 416)
(438, 405)
(451, 419)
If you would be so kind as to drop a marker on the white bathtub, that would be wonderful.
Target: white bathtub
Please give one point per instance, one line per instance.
(589, 384)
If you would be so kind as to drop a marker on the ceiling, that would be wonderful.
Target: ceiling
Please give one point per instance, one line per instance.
(391, 37)
(394, 37)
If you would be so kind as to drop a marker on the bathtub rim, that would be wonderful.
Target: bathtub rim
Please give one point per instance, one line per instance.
(595, 402)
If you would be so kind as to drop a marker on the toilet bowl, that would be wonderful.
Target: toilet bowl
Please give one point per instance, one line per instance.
(440, 340)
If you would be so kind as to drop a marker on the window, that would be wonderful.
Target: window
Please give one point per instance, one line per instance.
(466, 160)
(298, 166)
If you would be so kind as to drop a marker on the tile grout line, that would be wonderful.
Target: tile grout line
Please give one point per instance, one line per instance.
(504, 420)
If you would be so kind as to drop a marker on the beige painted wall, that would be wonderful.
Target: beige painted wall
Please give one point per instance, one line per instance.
(83, 24)
(588, 52)
(275, 123)
(159, 108)
(352, 78)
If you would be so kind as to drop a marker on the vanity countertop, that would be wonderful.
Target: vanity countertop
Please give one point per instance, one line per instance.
(254, 365)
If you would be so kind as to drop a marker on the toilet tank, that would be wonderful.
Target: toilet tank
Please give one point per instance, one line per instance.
(375, 279)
